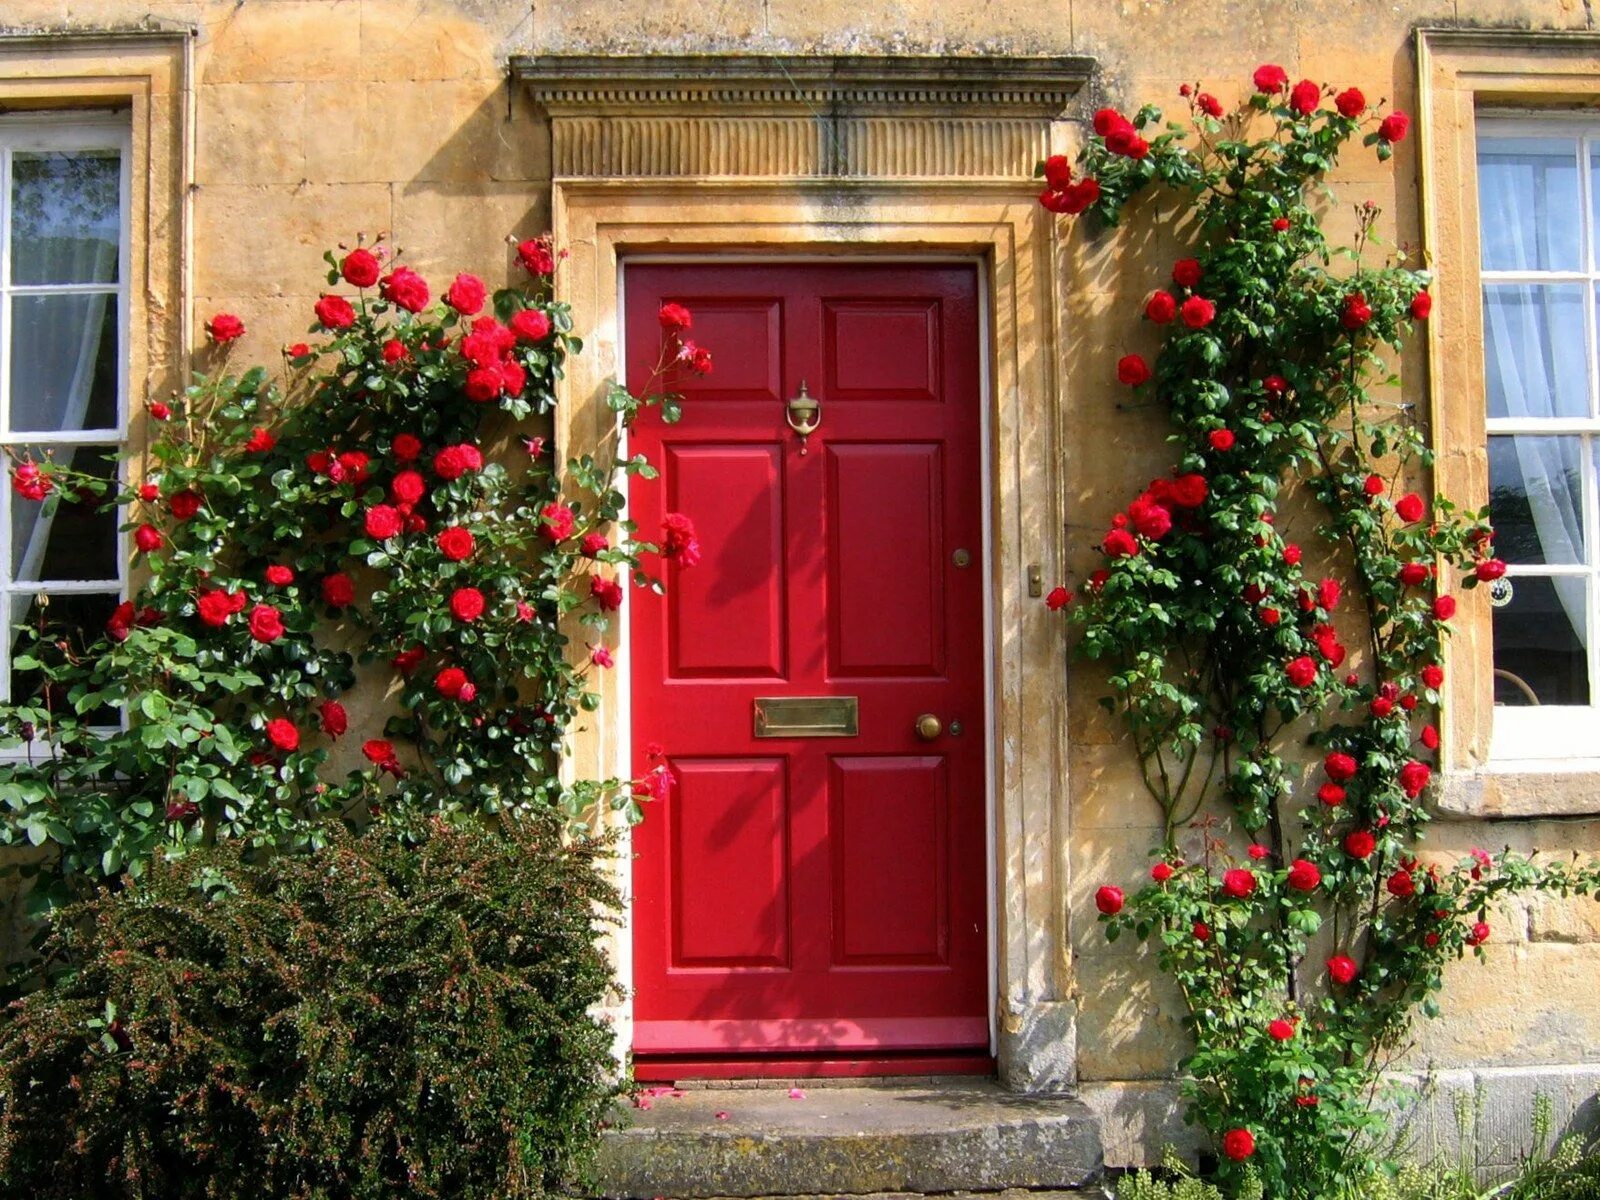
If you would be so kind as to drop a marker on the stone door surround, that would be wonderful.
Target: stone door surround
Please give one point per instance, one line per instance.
(803, 157)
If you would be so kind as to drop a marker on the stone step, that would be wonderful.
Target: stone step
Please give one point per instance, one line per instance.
(911, 1139)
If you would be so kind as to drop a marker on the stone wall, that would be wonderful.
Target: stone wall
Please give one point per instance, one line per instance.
(315, 119)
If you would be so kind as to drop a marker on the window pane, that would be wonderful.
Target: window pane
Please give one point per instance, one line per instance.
(1539, 654)
(81, 618)
(63, 363)
(1536, 498)
(65, 224)
(1534, 350)
(77, 541)
(1528, 203)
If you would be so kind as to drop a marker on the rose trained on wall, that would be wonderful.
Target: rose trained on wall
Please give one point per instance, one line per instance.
(368, 554)
(1303, 958)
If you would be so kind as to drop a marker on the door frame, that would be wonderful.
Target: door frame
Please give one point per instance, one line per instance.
(745, 255)
(999, 225)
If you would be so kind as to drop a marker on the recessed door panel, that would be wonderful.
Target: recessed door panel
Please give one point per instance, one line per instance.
(883, 349)
(742, 334)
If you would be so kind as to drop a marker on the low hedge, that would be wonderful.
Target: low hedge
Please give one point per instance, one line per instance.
(392, 1015)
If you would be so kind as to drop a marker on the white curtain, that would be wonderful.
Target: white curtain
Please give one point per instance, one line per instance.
(1534, 352)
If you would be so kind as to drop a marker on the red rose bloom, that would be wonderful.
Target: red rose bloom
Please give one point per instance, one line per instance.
(405, 289)
(338, 591)
(1479, 934)
(1280, 224)
(279, 576)
(450, 683)
(31, 483)
(466, 294)
(1057, 171)
(678, 541)
(1413, 573)
(1356, 311)
(556, 521)
(1410, 508)
(1148, 518)
(334, 312)
(1305, 97)
(1132, 370)
(298, 350)
(394, 350)
(483, 384)
(378, 751)
(1189, 491)
(1198, 312)
(1291, 554)
(334, 720)
(266, 623)
(1393, 127)
(1275, 385)
(1373, 485)
(1342, 969)
(1489, 570)
(1270, 77)
(1238, 882)
(1161, 307)
(1421, 306)
(1280, 1030)
(1109, 900)
(1414, 777)
(675, 318)
(261, 440)
(1074, 198)
(1058, 599)
(408, 487)
(607, 593)
(699, 359)
(1127, 143)
(466, 604)
(1402, 885)
(1359, 843)
(360, 268)
(1208, 104)
(214, 607)
(1119, 543)
(120, 623)
(1433, 675)
(383, 521)
(1187, 272)
(1381, 706)
(1444, 607)
(1350, 103)
(1331, 794)
(455, 543)
(1339, 767)
(1259, 852)
(1202, 932)
(536, 257)
(1301, 671)
(282, 734)
(406, 447)
(1108, 120)
(406, 661)
(1161, 872)
(1430, 737)
(1221, 440)
(1303, 876)
(224, 327)
(593, 544)
(147, 538)
(531, 325)
(455, 461)
(184, 504)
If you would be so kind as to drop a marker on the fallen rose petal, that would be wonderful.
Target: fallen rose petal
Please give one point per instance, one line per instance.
(796, 1094)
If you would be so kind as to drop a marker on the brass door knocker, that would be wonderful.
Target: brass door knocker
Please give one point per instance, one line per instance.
(804, 414)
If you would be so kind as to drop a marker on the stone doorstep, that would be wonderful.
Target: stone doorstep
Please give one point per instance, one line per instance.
(913, 1139)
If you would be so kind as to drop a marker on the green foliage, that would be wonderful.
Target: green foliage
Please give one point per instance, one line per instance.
(259, 503)
(1226, 656)
(1175, 1181)
(394, 1015)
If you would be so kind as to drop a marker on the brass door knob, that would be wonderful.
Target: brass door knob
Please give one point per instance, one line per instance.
(928, 727)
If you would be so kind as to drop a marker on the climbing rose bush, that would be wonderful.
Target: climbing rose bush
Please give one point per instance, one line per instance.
(1294, 909)
(363, 589)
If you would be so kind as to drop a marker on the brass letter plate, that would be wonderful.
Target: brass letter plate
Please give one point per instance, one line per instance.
(806, 716)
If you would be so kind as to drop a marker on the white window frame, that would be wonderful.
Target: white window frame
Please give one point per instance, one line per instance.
(1538, 734)
(55, 132)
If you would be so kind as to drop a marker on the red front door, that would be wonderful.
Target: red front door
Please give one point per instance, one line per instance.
(813, 894)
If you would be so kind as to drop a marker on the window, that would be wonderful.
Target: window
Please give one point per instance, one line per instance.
(63, 340)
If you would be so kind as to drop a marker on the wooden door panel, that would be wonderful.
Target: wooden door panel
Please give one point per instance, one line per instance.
(802, 894)
(885, 506)
(730, 863)
(882, 349)
(726, 613)
(890, 908)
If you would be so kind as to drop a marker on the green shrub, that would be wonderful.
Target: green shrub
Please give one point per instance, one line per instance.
(393, 1015)
(1174, 1181)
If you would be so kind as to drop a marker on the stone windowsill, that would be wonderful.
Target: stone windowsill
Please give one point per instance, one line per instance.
(1568, 788)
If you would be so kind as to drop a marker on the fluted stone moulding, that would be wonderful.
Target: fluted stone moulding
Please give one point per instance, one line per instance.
(799, 116)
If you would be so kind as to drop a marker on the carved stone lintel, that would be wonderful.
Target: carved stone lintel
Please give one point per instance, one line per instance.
(842, 117)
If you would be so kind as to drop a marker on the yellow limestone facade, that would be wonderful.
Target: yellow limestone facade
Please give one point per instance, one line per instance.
(264, 131)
